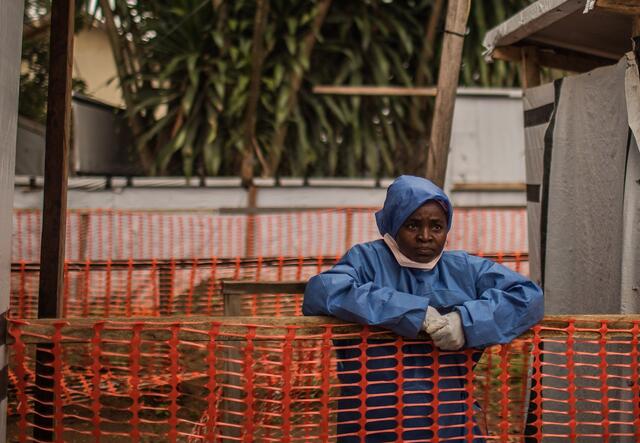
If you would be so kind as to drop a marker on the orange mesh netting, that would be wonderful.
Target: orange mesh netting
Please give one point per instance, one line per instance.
(166, 263)
(287, 380)
(199, 380)
(100, 235)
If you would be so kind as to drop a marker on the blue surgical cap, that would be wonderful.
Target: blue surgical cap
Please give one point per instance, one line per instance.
(406, 194)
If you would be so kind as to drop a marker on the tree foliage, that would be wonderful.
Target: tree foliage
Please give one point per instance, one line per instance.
(220, 87)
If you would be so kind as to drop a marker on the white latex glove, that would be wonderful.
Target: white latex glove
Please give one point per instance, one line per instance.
(449, 337)
(433, 321)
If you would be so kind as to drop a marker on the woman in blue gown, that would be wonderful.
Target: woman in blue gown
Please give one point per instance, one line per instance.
(405, 282)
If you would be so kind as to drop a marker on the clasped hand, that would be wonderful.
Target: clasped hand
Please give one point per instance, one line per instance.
(445, 330)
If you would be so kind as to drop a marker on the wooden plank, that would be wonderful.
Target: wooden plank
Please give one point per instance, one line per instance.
(507, 53)
(235, 287)
(530, 68)
(626, 7)
(489, 187)
(563, 60)
(250, 237)
(455, 28)
(635, 26)
(348, 229)
(56, 158)
(572, 61)
(374, 90)
(196, 328)
(539, 15)
(54, 210)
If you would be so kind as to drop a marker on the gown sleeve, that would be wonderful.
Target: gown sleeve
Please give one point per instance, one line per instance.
(348, 292)
(507, 304)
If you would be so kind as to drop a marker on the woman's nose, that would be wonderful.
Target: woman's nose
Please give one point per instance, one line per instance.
(424, 233)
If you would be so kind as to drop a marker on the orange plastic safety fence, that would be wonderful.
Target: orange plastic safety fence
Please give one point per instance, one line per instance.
(159, 288)
(313, 379)
(101, 234)
(128, 288)
(142, 263)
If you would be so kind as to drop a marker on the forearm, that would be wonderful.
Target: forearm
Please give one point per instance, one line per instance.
(499, 316)
(367, 304)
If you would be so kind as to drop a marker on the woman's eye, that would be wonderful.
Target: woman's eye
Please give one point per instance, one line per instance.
(412, 226)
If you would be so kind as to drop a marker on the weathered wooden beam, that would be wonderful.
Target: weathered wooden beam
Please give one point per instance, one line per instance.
(56, 158)
(374, 90)
(54, 210)
(250, 236)
(627, 7)
(529, 67)
(489, 187)
(635, 26)
(507, 53)
(564, 60)
(448, 75)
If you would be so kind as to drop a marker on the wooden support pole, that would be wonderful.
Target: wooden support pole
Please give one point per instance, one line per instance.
(635, 26)
(56, 158)
(55, 203)
(250, 240)
(448, 75)
(529, 68)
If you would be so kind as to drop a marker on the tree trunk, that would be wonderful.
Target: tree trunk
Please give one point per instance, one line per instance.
(257, 58)
(280, 133)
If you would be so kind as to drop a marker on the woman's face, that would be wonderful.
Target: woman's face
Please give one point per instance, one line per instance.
(422, 236)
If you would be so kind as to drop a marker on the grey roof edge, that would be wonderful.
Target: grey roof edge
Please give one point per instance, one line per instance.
(529, 20)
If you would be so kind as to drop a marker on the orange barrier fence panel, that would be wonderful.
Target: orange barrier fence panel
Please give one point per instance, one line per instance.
(102, 234)
(301, 379)
(125, 288)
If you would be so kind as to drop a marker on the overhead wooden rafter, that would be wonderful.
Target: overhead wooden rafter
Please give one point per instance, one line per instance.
(628, 7)
(553, 58)
(564, 35)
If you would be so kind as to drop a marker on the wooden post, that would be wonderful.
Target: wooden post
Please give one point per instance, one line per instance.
(529, 78)
(455, 28)
(635, 26)
(529, 68)
(55, 202)
(348, 235)
(250, 235)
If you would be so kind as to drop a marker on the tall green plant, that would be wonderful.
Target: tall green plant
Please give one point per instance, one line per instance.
(221, 87)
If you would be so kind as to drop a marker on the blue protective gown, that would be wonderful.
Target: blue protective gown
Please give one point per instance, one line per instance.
(369, 287)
